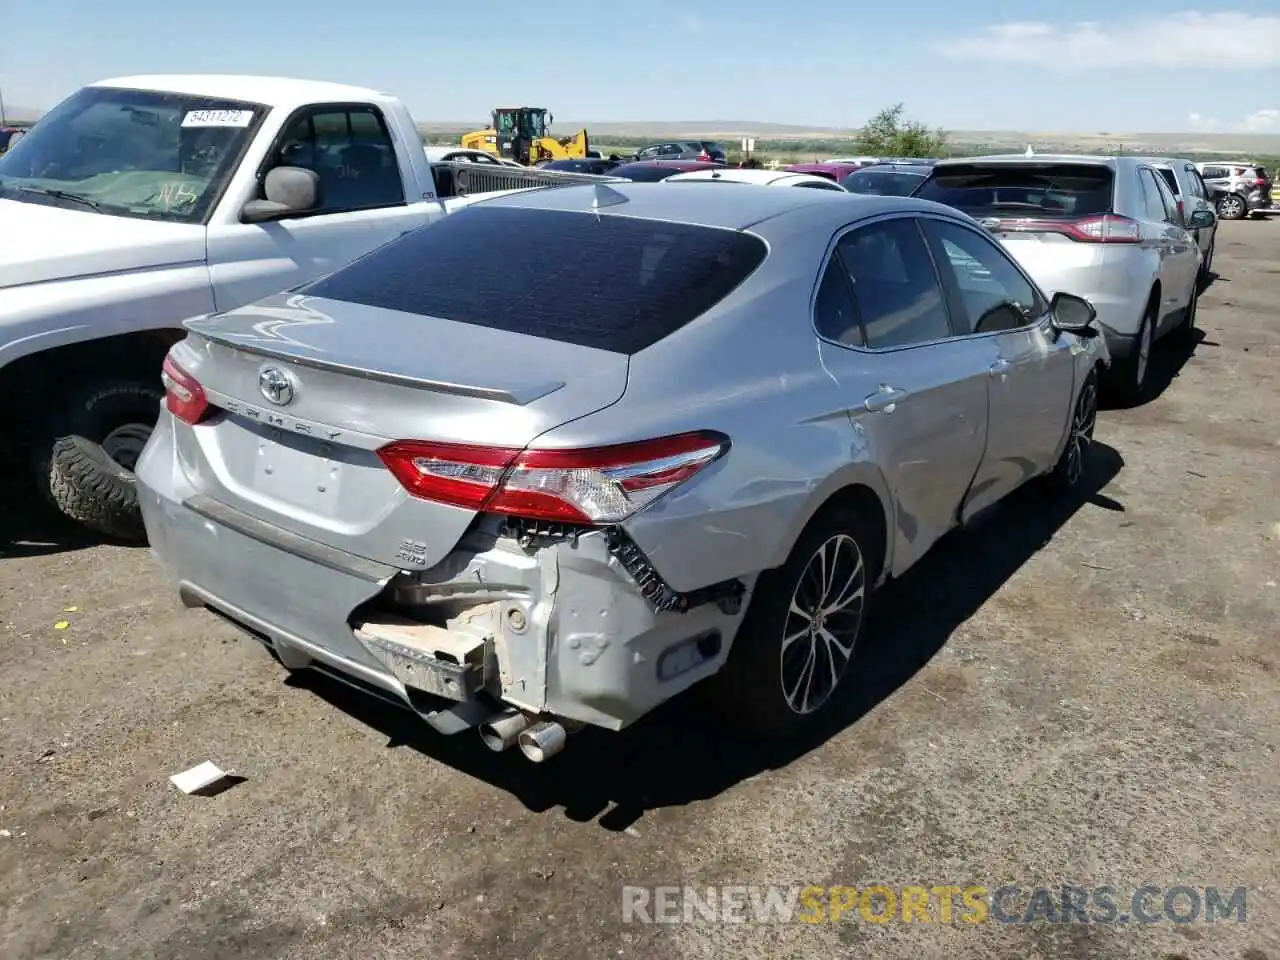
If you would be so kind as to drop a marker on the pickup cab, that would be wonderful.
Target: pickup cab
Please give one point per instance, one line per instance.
(140, 202)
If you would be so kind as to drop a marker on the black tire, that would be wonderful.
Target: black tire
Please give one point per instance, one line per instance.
(748, 691)
(1072, 465)
(1233, 207)
(1129, 378)
(89, 487)
(1186, 328)
(1206, 268)
(77, 473)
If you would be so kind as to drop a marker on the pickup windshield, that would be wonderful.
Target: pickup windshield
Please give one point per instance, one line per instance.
(131, 153)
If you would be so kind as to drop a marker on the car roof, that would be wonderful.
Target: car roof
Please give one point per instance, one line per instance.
(270, 91)
(1015, 159)
(709, 204)
(767, 178)
(923, 169)
(437, 152)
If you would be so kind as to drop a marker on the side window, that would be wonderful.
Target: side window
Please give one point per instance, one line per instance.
(1214, 173)
(1197, 184)
(1153, 205)
(834, 313)
(895, 287)
(995, 295)
(1168, 201)
(351, 151)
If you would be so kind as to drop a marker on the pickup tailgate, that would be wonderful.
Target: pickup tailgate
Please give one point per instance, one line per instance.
(305, 391)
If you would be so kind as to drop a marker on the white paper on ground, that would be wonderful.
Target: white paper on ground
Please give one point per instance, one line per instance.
(198, 777)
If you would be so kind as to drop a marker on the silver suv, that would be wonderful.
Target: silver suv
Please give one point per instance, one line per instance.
(1107, 228)
(1239, 187)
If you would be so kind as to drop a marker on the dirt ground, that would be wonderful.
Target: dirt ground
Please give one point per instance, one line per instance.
(1088, 695)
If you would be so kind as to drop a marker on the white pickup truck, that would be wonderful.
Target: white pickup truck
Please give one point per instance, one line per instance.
(139, 202)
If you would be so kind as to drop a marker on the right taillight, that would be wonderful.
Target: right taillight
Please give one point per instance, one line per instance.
(1107, 228)
(183, 395)
(595, 485)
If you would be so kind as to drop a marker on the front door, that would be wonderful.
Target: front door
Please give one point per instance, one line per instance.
(916, 393)
(1031, 377)
(363, 204)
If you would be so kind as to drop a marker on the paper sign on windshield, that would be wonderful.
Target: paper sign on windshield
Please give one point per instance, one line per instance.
(217, 118)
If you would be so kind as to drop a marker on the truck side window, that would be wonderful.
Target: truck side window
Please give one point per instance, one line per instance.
(351, 150)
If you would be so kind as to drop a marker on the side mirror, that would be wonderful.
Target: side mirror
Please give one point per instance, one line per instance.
(1073, 314)
(1201, 220)
(289, 190)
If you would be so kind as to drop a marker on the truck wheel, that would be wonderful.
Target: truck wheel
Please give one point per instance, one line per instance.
(801, 630)
(85, 455)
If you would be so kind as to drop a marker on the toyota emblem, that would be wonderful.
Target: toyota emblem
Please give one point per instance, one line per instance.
(275, 385)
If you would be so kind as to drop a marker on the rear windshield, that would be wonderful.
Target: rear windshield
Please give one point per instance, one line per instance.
(1262, 173)
(1171, 180)
(1040, 190)
(882, 183)
(614, 283)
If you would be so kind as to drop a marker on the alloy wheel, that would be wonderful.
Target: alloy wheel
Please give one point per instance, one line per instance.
(1231, 207)
(1082, 424)
(124, 444)
(822, 623)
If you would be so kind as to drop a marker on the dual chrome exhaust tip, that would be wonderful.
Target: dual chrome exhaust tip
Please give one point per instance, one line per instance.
(538, 740)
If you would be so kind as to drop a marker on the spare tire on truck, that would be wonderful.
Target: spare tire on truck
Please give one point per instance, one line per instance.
(84, 452)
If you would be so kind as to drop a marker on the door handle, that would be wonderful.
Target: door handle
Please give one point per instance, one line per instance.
(1000, 367)
(884, 400)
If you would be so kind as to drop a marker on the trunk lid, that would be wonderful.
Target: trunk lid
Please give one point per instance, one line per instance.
(348, 379)
(1054, 260)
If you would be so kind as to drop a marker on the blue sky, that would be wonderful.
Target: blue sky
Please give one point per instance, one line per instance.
(1085, 65)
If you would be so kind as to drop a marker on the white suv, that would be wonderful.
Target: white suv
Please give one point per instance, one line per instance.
(1238, 187)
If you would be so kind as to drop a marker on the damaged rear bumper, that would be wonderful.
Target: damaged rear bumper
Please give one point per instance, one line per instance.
(571, 625)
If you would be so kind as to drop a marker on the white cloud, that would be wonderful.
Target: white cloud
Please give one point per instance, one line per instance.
(1262, 121)
(1205, 41)
(1202, 124)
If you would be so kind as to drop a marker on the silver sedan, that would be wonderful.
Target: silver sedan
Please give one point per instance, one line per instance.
(529, 486)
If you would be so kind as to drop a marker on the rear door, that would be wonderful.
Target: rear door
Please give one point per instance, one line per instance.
(1031, 382)
(1179, 254)
(1198, 200)
(364, 204)
(917, 392)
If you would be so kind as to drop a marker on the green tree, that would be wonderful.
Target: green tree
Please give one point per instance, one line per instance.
(888, 134)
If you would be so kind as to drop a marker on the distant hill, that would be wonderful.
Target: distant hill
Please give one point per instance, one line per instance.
(670, 128)
(1239, 144)
(14, 114)
(1243, 144)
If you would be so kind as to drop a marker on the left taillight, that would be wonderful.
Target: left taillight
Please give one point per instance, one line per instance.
(183, 395)
(596, 485)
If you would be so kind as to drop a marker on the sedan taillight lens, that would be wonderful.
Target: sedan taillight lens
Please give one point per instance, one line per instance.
(596, 485)
(183, 395)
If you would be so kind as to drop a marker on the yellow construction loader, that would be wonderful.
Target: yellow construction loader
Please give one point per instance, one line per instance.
(522, 134)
